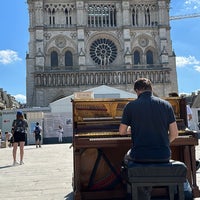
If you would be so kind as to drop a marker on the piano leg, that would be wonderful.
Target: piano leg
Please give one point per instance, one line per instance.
(77, 195)
(190, 161)
(195, 188)
(77, 183)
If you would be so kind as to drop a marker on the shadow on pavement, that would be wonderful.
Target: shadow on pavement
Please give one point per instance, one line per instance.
(6, 166)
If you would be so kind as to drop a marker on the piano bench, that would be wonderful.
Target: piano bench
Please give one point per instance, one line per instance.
(171, 175)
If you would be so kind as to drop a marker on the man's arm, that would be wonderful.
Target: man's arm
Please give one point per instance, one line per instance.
(189, 117)
(123, 129)
(173, 131)
(189, 112)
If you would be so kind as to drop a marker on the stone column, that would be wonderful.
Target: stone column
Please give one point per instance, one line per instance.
(81, 21)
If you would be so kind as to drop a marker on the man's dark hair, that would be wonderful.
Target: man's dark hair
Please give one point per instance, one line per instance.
(143, 84)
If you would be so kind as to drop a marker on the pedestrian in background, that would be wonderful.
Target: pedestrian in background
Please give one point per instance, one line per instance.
(9, 138)
(37, 131)
(189, 116)
(19, 131)
(60, 133)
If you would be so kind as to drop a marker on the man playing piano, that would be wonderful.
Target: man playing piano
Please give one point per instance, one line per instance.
(153, 126)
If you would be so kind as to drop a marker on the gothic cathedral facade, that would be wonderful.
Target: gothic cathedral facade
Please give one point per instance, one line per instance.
(76, 45)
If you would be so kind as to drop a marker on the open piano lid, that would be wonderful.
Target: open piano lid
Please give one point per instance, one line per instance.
(99, 116)
(104, 114)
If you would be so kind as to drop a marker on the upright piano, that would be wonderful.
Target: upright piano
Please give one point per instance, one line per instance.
(99, 149)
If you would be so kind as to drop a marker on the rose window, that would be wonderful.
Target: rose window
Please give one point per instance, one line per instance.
(103, 51)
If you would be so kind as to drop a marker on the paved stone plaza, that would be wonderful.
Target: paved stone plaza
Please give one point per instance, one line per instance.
(46, 174)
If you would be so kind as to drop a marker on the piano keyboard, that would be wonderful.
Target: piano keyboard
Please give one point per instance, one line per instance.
(98, 134)
(107, 139)
(112, 134)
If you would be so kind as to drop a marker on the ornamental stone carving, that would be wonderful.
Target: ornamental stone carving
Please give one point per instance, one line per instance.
(143, 41)
(60, 42)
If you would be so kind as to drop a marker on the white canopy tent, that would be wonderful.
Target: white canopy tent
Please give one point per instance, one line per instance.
(103, 91)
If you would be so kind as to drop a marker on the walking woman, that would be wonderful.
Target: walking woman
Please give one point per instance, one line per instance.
(19, 131)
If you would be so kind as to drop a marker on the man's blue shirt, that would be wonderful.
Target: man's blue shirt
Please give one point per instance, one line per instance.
(149, 118)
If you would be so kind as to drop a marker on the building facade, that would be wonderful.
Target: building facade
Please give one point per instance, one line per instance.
(76, 45)
(7, 101)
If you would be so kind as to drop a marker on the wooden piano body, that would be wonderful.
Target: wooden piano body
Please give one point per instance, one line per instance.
(99, 149)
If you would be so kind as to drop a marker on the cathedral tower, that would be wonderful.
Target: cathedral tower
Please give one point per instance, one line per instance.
(76, 45)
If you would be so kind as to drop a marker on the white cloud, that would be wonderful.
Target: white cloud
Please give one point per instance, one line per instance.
(184, 61)
(197, 68)
(20, 98)
(192, 4)
(8, 56)
(188, 61)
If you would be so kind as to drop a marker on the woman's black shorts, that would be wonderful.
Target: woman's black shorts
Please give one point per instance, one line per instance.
(19, 137)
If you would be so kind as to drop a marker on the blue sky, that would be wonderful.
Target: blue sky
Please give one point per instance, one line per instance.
(14, 38)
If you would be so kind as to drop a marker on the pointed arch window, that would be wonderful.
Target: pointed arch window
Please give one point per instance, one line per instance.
(51, 16)
(135, 16)
(68, 15)
(54, 59)
(147, 17)
(149, 57)
(136, 56)
(68, 58)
